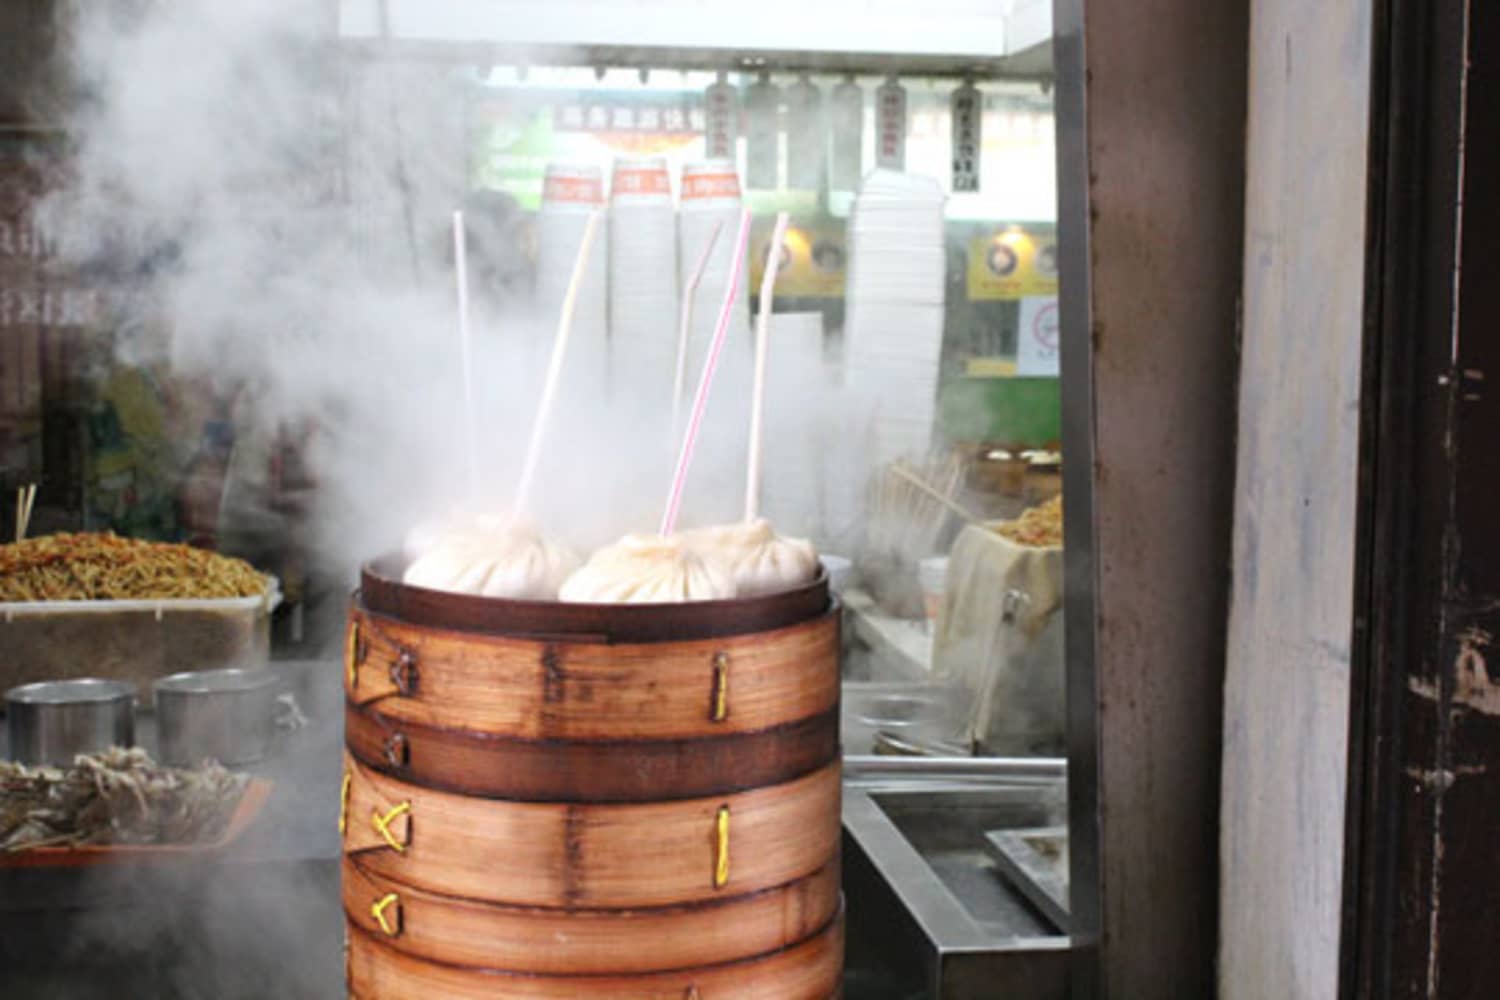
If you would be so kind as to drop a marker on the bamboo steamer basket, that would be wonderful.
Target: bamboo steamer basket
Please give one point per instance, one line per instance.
(564, 800)
(563, 718)
(588, 941)
(609, 855)
(809, 970)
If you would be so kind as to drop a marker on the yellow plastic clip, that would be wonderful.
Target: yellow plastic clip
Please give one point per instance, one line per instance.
(351, 652)
(721, 848)
(383, 825)
(344, 802)
(378, 908)
(720, 709)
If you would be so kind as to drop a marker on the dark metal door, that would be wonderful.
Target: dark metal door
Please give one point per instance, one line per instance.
(1422, 886)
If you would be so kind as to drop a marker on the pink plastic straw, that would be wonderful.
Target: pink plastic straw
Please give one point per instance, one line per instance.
(705, 382)
(685, 320)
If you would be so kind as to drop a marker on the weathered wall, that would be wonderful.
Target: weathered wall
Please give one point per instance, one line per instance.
(1161, 157)
(1286, 702)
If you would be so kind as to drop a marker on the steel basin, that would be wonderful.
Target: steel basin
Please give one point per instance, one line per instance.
(225, 715)
(51, 722)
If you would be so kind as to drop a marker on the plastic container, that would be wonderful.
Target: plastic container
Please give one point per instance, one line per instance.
(840, 572)
(932, 576)
(135, 641)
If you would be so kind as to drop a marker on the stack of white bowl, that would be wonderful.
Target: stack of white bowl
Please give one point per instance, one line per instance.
(642, 280)
(570, 194)
(895, 292)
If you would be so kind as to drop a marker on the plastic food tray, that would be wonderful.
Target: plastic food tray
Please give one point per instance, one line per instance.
(136, 641)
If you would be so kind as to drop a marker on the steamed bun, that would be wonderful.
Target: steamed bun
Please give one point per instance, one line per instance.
(493, 560)
(648, 569)
(760, 560)
(429, 534)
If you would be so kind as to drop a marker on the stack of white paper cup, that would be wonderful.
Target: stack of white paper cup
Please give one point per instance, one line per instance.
(711, 198)
(570, 194)
(642, 280)
(797, 415)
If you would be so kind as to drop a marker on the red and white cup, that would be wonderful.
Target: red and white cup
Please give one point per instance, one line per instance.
(642, 277)
(570, 194)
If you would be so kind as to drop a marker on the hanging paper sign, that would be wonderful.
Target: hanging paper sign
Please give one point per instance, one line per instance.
(890, 125)
(762, 132)
(847, 125)
(967, 108)
(720, 124)
(1036, 340)
(805, 136)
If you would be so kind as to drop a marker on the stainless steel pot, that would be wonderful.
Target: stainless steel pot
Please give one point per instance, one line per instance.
(228, 715)
(52, 722)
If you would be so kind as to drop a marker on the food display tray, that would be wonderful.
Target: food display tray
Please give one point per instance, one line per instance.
(1021, 856)
(252, 801)
(136, 641)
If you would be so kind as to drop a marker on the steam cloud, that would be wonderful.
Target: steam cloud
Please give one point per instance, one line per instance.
(293, 203)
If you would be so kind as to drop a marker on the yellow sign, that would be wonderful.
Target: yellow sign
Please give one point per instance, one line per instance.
(813, 259)
(1012, 264)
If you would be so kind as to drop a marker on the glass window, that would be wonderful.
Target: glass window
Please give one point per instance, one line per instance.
(269, 340)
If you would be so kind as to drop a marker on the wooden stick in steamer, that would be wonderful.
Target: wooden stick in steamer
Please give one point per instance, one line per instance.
(466, 354)
(555, 363)
(705, 381)
(685, 322)
(25, 500)
(758, 394)
(949, 502)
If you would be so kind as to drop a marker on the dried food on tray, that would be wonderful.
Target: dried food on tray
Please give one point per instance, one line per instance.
(105, 567)
(116, 797)
(1038, 527)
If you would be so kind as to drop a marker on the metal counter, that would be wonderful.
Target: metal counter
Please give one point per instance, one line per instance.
(927, 906)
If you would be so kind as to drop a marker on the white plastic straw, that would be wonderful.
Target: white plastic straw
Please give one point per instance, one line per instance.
(758, 395)
(685, 323)
(466, 354)
(554, 365)
(705, 381)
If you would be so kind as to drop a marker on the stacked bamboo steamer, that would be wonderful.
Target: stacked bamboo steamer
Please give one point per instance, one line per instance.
(546, 800)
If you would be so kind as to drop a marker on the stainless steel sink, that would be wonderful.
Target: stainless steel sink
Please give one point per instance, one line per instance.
(925, 896)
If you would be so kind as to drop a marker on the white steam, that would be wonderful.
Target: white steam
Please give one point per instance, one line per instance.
(292, 200)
